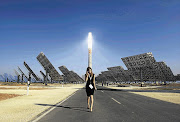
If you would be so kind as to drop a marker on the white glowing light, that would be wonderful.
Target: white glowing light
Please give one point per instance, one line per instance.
(90, 40)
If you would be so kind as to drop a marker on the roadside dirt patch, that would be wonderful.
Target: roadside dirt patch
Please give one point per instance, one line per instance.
(11, 84)
(4, 96)
(5, 88)
(23, 88)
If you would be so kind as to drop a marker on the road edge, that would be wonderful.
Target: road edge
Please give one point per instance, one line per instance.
(45, 112)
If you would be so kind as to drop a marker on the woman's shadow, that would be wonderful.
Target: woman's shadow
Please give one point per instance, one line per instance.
(67, 107)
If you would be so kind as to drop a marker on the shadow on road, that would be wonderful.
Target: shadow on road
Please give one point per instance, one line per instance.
(67, 107)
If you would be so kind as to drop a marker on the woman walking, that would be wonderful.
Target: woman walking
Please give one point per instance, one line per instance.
(90, 87)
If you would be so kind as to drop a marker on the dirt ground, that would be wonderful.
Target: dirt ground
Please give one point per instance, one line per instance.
(25, 108)
(164, 96)
(24, 88)
(4, 96)
(11, 84)
(32, 84)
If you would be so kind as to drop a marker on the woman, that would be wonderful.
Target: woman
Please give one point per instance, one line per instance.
(90, 86)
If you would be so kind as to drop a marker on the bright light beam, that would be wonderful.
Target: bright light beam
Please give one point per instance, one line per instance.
(90, 40)
(90, 49)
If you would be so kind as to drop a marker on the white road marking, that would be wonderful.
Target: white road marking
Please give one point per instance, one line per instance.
(102, 91)
(37, 119)
(116, 100)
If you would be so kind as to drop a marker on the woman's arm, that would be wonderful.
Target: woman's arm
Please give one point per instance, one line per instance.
(94, 83)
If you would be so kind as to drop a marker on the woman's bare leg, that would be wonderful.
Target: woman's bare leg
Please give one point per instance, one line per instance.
(88, 100)
(91, 102)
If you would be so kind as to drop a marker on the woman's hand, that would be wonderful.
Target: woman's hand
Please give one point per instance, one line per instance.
(95, 88)
(87, 74)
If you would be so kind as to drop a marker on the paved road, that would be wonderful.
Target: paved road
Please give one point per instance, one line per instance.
(113, 106)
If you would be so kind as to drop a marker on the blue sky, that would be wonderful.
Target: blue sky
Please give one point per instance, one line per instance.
(59, 28)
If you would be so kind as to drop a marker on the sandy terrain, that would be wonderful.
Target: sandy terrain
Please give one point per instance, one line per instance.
(24, 108)
(168, 97)
(164, 96)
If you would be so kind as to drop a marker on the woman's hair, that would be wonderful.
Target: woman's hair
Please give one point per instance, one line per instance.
(88, 68)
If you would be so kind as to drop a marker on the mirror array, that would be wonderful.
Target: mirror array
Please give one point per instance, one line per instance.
(142, 67)
(70, 76)
(49, 68)
(50, 75)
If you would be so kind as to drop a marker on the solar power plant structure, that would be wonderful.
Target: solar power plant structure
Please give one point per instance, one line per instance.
(30, 70)
(22, 73)
(120, 74)
(16, 73)
(97, 78)
(2, 78)
(177, 77)
(101, 78)
(76, 76)
(109, 76)
(69, 77)
(5, 75)
(11, 78)
(139, 63)
(128, 75)
(80, 78)
(43, 60)
(40, 79)
(18, 76)
(44, 76)
(104, 77)
(166, 71)
(145, 66)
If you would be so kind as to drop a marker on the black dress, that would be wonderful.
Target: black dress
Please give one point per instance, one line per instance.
(90, 91)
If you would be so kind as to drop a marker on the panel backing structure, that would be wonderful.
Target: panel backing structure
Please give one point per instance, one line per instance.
(109, 76)
(48, 67)
(2, 78)
(120, 74)
(177, 77)
(22, 73)
(67, 74)
(30, 70)
(44, 76)
(76, 76)
(145, 67)
(117, 72)
(101, 78)
(12, 78)
(166, 71)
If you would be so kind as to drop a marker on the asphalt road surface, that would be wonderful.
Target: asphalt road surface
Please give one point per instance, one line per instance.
(112, 106)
